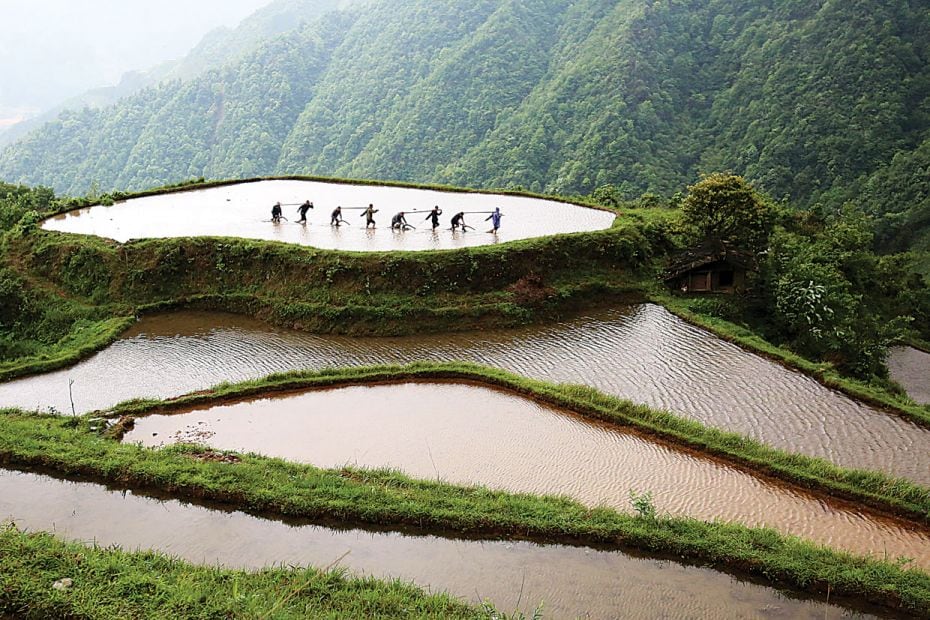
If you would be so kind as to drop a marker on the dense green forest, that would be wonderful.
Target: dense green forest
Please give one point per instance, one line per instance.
(820, 103)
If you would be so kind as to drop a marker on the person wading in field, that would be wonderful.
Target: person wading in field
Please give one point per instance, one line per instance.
(369, 215)
(302, 209)
(458, 220)
(336, 217)
(434, 215)
(495, 218)
(399, 222)
(276, 212)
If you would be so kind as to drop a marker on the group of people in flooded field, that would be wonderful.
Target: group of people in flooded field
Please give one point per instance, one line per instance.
(398, 222)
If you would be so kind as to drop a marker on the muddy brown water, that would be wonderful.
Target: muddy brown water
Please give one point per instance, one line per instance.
(244, 209)
(569, 581)
(473, 435)
(910, 367)
(643, 353)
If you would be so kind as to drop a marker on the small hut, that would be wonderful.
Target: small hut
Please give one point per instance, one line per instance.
(712, 267)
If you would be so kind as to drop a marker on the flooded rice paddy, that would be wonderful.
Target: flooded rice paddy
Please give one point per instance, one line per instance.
(569, 581)
(910, 367)
(473, 435)
(642, 353)
(244, 210)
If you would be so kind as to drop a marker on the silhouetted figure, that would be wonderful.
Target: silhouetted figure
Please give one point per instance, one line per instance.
(434, 215)
(302, 209)
(495, 218)
(458, 220)
(369, 214)
(399, 222)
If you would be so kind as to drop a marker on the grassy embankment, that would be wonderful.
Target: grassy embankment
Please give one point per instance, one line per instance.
(382, 497)
(823, 372)
(110, 584)
(386, 293)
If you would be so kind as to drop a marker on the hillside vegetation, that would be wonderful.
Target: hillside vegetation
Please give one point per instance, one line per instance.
(821, 102)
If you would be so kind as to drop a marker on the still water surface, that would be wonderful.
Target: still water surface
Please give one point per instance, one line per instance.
(570, 581)
(643, 353)
(473, 435)
(244, 209)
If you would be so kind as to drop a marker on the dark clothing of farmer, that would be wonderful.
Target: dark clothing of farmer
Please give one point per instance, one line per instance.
(336, 217)
(399, 221)
(434, 215)
(458, 220)
(276, 212)
(369, 215)
(302, 209)
(495, 218)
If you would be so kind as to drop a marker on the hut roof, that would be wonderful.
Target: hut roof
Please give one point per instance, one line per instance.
(706, 253)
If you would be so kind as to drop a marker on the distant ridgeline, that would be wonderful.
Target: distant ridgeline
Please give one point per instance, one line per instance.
(820, 101)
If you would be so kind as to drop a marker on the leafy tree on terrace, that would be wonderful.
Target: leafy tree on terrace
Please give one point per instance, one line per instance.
(725, 207)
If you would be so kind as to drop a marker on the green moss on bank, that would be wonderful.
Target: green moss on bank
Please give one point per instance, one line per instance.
(111, 584)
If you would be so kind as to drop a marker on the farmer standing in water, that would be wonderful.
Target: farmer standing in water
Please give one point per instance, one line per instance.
(434, 215)
(276, 212)
(495, 218)
(458, 220)
(302, 209)
(399, 222)
(369, 214)
(336, 216)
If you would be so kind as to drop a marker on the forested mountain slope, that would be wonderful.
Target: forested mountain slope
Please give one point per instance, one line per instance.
(820, 101)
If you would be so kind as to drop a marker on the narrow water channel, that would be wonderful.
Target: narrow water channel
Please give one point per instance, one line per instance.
(472, 435)
(569, 581)
(643, 353)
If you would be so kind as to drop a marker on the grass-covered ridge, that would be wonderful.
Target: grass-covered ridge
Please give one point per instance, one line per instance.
(106, 584)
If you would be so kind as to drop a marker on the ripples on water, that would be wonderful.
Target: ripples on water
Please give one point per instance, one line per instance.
(472, 435)
(644, 353)
(570, 581)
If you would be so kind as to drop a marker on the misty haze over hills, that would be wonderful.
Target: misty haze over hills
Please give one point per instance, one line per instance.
(52, 50)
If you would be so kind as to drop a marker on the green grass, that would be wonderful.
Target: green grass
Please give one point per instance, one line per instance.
(385, 497)
(79, 343)
(111, 584)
